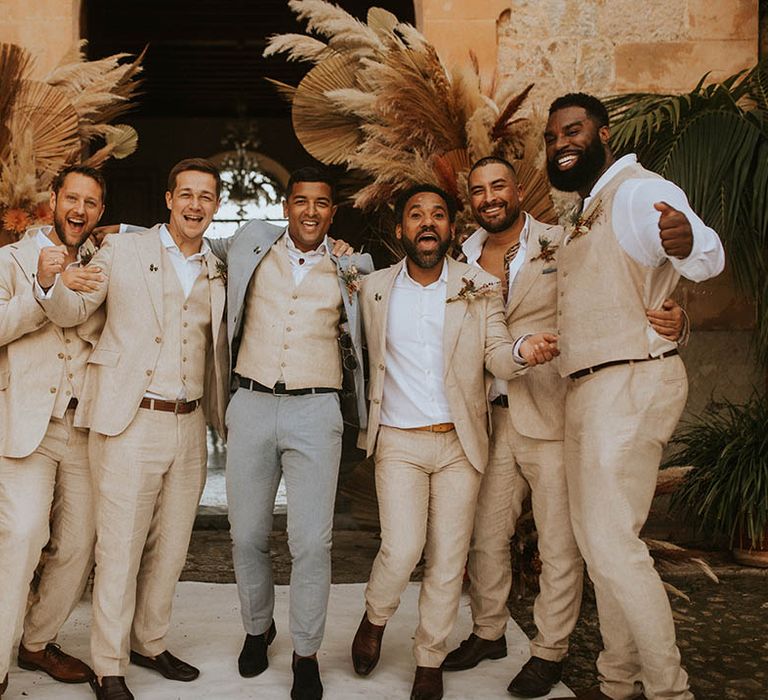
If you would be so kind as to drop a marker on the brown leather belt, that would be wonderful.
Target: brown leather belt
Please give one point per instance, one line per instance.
(72, 403)
(603, 365)
(170, 406)
(501, 400)
(436, 428)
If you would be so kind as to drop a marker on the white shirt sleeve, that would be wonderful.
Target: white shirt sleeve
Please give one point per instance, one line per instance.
(636, 223)
(37, 290)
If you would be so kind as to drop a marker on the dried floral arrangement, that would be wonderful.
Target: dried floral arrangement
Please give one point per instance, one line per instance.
(380, 101)
(64, 117)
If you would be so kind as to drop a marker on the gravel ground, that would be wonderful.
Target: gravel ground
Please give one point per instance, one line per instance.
(722, 631)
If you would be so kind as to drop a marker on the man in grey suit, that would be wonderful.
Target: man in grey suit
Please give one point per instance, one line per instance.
(288, 296)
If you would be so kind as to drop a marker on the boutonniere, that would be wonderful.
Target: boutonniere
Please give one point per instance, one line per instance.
(546, 250)
(221, 271)
(582, 225)
(86, 252)
(351, 278)
(471, 291)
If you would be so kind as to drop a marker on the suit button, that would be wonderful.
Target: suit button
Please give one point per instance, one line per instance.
(185, 307)
(184, 341)
(70, 375)
(149, 372)
(60, 356)
(565, 274)
(381, 366)
(291, 312)
(285, 347)
(559, 313)
(158, 339)
(69, 357)
(282, 364)
(375, 401)
(185, 324)
(295, 296)
(67, 340)
(53, 389)
(289, 329)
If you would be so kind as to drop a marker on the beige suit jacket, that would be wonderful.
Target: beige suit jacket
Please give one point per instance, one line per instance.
(537, 399)
(474, 336)
(120, 368)
(30, 366)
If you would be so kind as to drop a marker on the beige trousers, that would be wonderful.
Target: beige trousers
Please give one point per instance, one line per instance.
(427, 492)
(516, 465)
(44, 498)
(617, 423)
(148, 483)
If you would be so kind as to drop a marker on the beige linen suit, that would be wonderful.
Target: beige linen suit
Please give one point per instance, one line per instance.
(45, 489)
(527, 455)
(149, 465)
(427, 482)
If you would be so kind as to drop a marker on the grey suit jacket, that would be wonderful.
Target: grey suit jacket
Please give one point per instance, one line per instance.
(242, 254)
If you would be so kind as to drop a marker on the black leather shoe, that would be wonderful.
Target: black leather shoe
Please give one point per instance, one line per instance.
(4, 685)
(306, 679)
(427, 684)
(536, 678)
(111, 688)
(366, 646)
(253, 657)
(166, 664)
(473, 650)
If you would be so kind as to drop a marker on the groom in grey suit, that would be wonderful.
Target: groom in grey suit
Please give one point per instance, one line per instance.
(288, 298)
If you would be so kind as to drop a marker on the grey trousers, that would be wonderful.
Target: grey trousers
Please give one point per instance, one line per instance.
(300, 438)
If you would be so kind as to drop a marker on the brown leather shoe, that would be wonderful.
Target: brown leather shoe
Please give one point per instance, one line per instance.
(53, 661)
(166, 664)
(366, 646)
(111, 688)
(427, 684)
(473, 650)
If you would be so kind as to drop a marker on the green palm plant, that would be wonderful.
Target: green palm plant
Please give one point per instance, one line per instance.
(712, 142)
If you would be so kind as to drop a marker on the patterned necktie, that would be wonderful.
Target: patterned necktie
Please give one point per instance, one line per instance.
(509, 256)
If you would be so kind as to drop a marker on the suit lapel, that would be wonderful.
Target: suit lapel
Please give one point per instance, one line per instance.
(456, 310)
(380, 300)
(149, 251)
(531, 268)
(261, 246)
(217, 292)
(26, 253)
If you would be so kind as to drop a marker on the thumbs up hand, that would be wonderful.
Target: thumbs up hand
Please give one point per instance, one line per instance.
(674, 230)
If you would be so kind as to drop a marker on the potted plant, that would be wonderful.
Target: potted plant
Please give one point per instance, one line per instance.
(726, 491)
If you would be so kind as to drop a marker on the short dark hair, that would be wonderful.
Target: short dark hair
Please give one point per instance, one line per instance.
(86, 170)
(403, 197)
(310, 173)
(201, 165)
(592, 106)
(489, 160)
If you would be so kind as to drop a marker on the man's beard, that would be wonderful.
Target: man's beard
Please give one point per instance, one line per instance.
(59, 227)
(426, 261)
(511, 216)
(588, 166)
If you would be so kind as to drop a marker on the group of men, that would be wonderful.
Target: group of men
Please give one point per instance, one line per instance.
(109, 371)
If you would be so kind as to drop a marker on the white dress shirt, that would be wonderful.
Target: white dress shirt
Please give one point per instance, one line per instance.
(473, 249)
(301, 262)
(187, 268)
(637, 223)
(414, 391)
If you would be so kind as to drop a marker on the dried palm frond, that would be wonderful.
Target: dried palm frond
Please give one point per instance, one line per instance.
(121, 141)
(345, 32)
(18, 178)
(381, 21)
(298, 47)
(15, 63)
(287, 92)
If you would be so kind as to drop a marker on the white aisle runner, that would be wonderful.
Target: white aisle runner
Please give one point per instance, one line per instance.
(206, 631)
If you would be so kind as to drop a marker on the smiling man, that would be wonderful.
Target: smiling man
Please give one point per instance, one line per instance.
(627, 387)
(45, 485)
(162, 354)
(289, 297)
(432, 326)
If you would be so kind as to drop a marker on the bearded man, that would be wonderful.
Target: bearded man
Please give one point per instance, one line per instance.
(45, 480)
(627, 387)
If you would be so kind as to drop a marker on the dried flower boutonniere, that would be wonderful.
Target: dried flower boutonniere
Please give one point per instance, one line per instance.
(582, 225)
(546, 250)
(351, 278)
(221, 271)
(470, 291)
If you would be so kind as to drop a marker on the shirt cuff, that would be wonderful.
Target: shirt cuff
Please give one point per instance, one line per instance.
(518, 343)
(38, 292)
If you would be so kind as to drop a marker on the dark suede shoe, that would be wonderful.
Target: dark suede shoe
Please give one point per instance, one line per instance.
(536, 678)
(166, 664)
(111, 688)
(53, 661)
(427, 684)
(306, 679)
(473, 650)
(253, 657)
(4, 685)
(366, 646)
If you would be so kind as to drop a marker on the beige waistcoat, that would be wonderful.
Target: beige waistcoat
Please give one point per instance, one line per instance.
(187, 328)
(74, 356)
(604, 292)
(290, 331)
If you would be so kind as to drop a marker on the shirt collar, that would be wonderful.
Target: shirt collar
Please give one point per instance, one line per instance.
(473, 246)
(615, 168)
(404, 278)
(169, 244)
(41, 237)
(322, 249)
